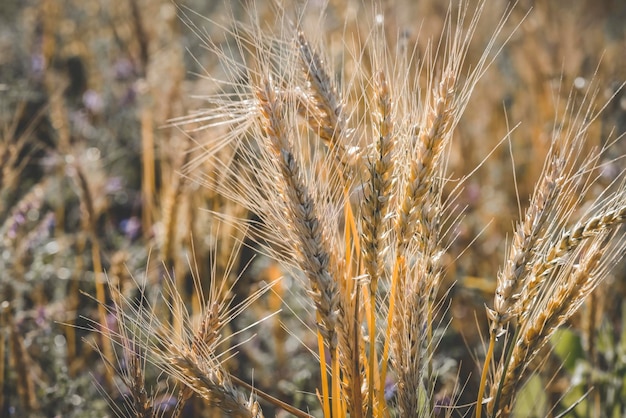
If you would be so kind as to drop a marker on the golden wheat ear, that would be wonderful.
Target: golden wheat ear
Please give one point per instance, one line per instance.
(194, 355)
(559, 255)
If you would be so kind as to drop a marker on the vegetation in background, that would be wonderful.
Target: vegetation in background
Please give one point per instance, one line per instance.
(303, 210)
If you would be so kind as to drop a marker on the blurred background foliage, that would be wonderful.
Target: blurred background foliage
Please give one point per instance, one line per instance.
(90, 183)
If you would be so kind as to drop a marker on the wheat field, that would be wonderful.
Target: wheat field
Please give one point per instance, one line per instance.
(312, 209)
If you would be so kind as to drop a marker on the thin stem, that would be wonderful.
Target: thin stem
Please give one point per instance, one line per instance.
(483, 377)
(429, 347)
(336, 384)
(372, 354)
(323, 372)
(505, 366)
(392, 304)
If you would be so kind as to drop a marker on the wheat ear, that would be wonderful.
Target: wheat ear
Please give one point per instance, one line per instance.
(214, 385)
(192, 358)
(305, 228)
(423, 167)
(313, 249)
(322, 107)
(374, 211)
(567, 244)
(378, 190)
(573, 284)
(509, 281)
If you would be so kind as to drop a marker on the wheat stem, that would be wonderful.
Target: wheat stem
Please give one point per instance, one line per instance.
(321, 349)
(351, 335)
(484, 374)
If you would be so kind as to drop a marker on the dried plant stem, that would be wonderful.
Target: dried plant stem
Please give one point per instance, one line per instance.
(101, 298)
(140, 35)
(321, 349)
(336, 387)
(73, 297)
(508, 355)
(393, 300)
(90, 227)
(171, 206)
(148, 175)
(21, 364)
(170, 214)
(372, 373)
(485, 373)
(351, 336)
(5, 312)
(353, 387)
